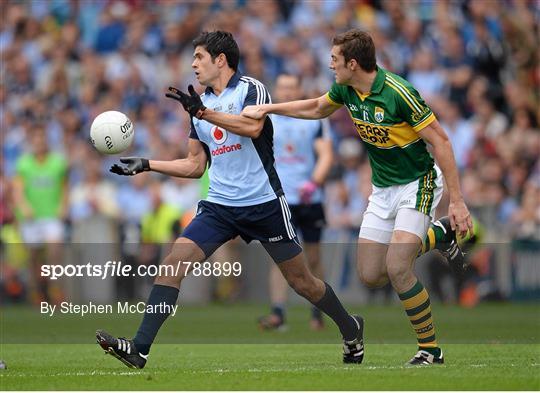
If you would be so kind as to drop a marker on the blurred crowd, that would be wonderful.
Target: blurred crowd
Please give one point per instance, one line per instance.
(64, 61)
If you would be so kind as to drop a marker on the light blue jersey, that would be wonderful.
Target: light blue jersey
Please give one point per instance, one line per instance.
(295, 154)
(242, 170)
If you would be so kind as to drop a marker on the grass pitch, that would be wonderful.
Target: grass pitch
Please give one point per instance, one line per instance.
(492, 347)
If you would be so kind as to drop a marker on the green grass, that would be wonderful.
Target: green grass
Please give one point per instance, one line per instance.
(491, 347)
(270, 367)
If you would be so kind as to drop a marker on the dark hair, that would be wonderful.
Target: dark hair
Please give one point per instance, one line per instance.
(217, 42)
(358, 45)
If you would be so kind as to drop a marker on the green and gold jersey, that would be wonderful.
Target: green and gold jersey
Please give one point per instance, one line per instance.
(388, 120)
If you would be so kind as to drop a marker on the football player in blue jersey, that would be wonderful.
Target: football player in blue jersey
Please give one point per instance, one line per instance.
(303, 154)
(245, 197)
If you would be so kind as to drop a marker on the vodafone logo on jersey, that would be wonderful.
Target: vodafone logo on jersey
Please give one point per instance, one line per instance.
(226, 149)
(219, 135)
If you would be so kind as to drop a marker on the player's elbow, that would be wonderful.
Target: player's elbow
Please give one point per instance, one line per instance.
(442, 142)
(255, 129)
(319, 112)
(196, 174)
(198, 167)
(199, 172)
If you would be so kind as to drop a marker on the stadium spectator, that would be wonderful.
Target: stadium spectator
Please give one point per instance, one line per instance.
(94, 196)
(40, 191)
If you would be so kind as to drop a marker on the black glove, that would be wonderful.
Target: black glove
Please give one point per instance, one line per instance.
(134, 165)
(191, 102)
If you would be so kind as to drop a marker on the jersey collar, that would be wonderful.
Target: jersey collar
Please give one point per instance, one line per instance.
(378, 82)
(232, 82)
(376, 86)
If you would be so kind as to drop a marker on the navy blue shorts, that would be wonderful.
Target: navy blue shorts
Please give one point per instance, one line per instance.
(268, 222)
(309, 220)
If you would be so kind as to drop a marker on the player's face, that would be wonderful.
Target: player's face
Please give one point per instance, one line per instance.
(39, 142)
(206, 70)
(337, 64)
(287, 88)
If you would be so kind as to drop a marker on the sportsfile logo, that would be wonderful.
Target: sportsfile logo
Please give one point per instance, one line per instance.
(226, 149)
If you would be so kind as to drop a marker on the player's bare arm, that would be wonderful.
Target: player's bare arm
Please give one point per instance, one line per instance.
(193, 166)
(460, 217)
(236, 124)
(313, 108)
(64, 204)
(20, 199)
(325, 157)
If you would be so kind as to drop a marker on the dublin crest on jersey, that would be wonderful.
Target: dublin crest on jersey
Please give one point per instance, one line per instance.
(379, 114)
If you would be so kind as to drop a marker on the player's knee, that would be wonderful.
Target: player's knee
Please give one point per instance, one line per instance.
(171, 271)
(373, 279)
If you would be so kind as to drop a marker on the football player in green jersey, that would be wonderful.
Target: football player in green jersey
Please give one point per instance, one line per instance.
(41, 199)
(395, 124)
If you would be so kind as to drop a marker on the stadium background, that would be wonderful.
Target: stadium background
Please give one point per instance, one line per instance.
(63, 62)
(475, 62)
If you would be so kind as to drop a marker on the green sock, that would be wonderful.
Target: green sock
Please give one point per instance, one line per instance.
(434, 235)
(434, 351)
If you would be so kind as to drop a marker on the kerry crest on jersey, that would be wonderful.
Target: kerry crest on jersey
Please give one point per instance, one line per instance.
(379, 114)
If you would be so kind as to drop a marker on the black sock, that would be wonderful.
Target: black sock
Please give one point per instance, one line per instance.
(316, 313)
(160, 294)
(279, 310)
(331, 306)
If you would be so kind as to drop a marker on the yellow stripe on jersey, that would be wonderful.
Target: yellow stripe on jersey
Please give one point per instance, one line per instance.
(385, 137)
(331, 101)
(407, 101)
(424, 123)
(402, 87)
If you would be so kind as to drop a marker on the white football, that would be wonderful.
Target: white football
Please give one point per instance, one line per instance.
(111, 132)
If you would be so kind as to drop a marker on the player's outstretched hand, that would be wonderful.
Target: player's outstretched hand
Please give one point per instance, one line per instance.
(191, 102)
(254, 112)
(134, 165)
(460, 218)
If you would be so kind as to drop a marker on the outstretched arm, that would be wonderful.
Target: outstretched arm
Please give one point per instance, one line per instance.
(236, 124)
(193, 166)
(460, 217)
(314, 108)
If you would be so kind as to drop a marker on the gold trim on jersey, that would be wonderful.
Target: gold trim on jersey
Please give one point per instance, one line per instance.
(385, 136)
(331, 101)
(406, 92)
(401, 94)
(362, 96)
(424, 123)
